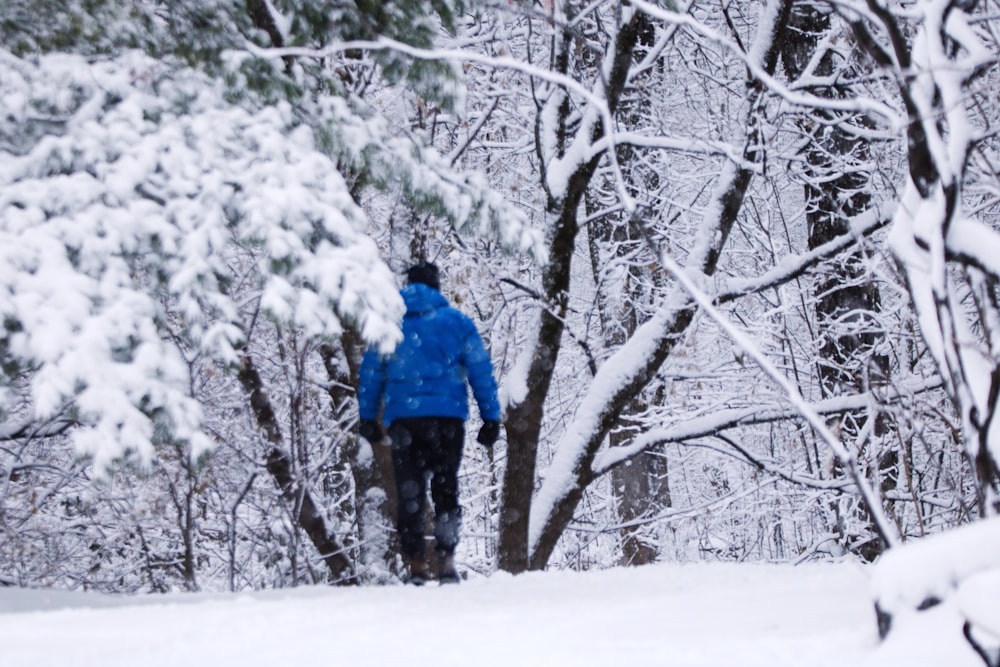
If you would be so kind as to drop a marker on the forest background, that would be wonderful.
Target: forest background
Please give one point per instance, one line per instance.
(736, 264)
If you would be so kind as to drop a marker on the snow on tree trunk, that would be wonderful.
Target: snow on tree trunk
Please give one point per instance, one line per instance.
(931, 230)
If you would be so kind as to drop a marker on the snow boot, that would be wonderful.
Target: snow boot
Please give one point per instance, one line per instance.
(419, 572)
(447, 574)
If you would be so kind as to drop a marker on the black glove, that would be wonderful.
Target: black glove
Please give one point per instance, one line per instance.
(370, 430)
(489, 433)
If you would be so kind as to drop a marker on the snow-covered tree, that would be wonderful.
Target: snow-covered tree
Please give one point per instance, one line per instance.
(174, 198)
(944, 229)
(716, 353)
(633, 130)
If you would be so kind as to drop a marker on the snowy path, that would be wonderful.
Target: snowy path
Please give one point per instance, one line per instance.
(693, 615)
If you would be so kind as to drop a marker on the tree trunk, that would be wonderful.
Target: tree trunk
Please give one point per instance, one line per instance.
(371, 465)
(640, 485)
(838, 189)
(279, 465)
(524, 420)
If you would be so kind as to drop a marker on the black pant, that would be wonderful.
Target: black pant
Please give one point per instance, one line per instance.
(427, 448)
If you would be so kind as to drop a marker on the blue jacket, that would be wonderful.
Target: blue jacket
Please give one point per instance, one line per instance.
(426, 375)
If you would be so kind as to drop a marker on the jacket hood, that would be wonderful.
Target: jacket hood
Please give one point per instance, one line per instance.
(420, 299)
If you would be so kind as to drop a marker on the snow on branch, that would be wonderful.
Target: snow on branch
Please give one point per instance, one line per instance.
(126, 227)
(753, 64)
(791, 267)
(692, 427)
(975, 243)
(597, 103)
(794, 397)
(466, 199)
(30, 429)
(931, 230)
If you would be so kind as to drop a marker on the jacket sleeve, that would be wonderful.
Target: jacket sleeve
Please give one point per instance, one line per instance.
(479, 370)
(371, 383)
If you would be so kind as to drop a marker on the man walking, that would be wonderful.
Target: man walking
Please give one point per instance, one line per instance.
(421, 390)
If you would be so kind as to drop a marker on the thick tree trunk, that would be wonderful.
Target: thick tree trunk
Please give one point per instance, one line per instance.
(524, 420)
(669, 325)
(640, 485)
(838, 189)
(279, 465)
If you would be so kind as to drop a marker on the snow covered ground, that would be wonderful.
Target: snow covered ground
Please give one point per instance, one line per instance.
(679, 615)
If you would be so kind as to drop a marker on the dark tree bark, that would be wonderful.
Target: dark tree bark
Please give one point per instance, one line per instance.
(263, 20)
(183, 491)
(640, 485)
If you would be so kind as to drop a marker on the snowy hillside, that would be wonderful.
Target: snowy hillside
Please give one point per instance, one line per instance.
(693, 615)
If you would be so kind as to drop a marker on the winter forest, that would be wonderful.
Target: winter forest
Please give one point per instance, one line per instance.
(737, 263)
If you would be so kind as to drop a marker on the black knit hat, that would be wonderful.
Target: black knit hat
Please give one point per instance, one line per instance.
(425, 273)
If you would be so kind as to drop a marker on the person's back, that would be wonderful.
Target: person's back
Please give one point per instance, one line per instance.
(421, 392)
(426, 375)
